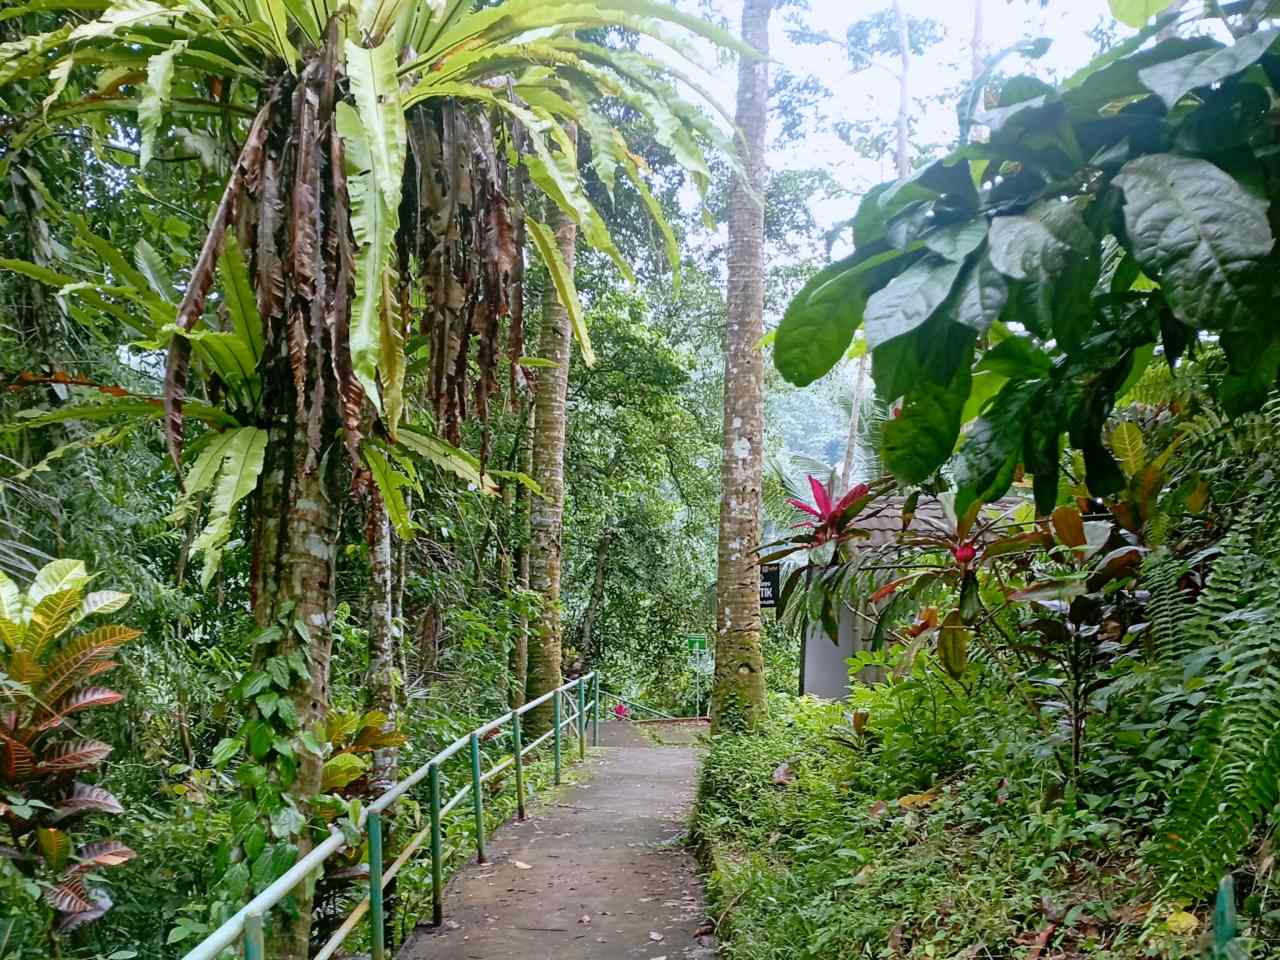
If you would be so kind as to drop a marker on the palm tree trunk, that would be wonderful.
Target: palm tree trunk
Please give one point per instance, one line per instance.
(904, 87)
(295, 551)
(547, 511)
(586, 632)
(737, 694)
(384, 640)
(520, 644)
(855, 423)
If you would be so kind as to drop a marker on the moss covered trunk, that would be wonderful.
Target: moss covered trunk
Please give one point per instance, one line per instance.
(547, 511)
(295, 549)
(383, 680)
(737, 694)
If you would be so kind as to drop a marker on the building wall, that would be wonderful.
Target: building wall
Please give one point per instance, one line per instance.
(824, 671)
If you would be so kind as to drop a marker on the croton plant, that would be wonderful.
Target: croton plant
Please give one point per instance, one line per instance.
(51, 656)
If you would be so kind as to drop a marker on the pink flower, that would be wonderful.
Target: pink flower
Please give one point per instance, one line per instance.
(964, 553)
(828, 516)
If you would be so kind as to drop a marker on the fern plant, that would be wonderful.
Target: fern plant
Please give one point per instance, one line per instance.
(1225, 647)
(48, 673)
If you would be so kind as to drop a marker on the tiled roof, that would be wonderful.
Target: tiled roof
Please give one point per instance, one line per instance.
(887, 524)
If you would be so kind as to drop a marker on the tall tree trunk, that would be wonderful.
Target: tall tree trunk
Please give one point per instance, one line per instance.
(384, 640)
(297, 228)
(547, 511)
(737, 694)
(904, 87)
(586, 632)
(855, 423)
(401, 548)
(294, 553)
(524, 497)
(977, 53)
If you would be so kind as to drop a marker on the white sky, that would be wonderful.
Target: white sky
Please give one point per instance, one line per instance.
(874, 92)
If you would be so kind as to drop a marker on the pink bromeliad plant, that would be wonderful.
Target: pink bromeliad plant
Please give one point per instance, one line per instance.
(829, 517)
(832, 519)
(827, 520)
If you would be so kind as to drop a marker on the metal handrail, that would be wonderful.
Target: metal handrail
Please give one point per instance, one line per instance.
(632, 703)
(246, 924)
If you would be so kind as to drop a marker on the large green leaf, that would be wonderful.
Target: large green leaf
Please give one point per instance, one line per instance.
(544, 241)
(988, 457)
(1052, 253)
(1016, 358)
(230, 356)
(957, 240)
(238, 290)
(525, 18)
(10, 600)
(1200, 234)
(376, 94)
(1174, 79)
(204, 470)
(374, 139)
(34, 271)
(1128, 446)
(153, 267)
(54, 577)
(980, 296)
(445, 455)
(923, 434)
(29, 55)
(555, 173)
(947, 183)
(1134, 13)
(242, 459)
(155, 98)
(274, 16)
(909, 299)
(820, 321)
(122, 15)
(391, 483)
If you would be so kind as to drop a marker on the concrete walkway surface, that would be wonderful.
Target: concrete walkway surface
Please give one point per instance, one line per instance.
(598, 869)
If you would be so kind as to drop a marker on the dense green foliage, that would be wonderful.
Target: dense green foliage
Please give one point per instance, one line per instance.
(1065, 728)
(1068, 316)
(914, 822)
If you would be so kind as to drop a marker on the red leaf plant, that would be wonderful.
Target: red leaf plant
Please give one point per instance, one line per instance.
(49, 668)
(831, 519)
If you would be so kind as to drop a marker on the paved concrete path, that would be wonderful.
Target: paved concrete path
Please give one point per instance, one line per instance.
(598, 870)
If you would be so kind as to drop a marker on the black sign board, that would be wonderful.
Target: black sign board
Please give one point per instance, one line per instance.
(770, 585)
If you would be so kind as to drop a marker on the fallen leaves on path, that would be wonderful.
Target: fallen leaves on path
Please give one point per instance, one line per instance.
(521, 865)
(655, 936)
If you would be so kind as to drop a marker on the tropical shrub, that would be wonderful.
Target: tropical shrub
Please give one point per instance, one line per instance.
(48, 669)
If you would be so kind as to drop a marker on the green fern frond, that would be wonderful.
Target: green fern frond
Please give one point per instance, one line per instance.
(1235, 782)
(1169, 606)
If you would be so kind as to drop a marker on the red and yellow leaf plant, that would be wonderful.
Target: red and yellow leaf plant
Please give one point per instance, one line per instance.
(51, 656)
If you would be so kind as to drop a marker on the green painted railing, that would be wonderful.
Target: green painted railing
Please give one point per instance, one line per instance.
(247, 924)
(632, 705)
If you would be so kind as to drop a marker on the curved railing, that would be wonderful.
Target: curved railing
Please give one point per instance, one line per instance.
(246, 924)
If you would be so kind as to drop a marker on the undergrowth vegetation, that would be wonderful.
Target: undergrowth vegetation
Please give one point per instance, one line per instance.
(827, 842)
